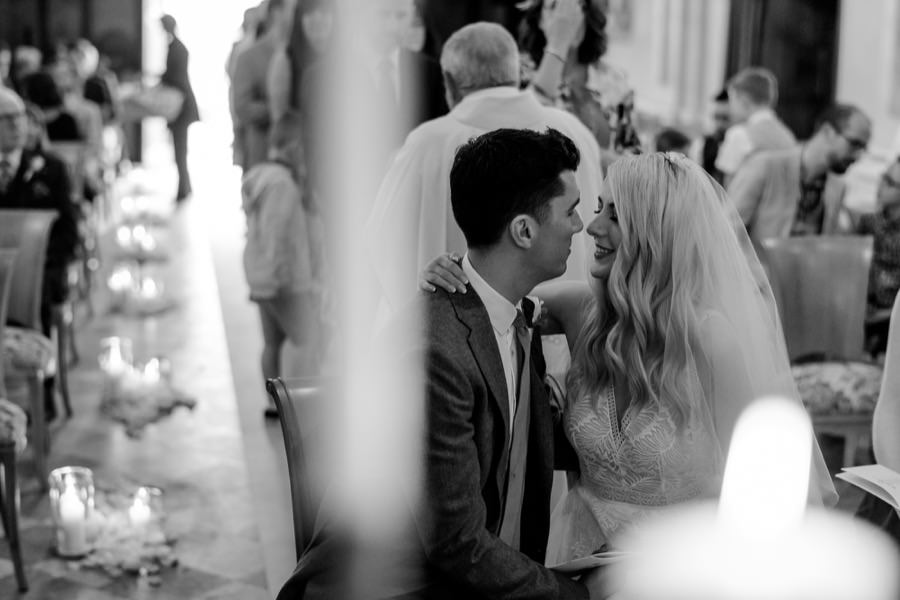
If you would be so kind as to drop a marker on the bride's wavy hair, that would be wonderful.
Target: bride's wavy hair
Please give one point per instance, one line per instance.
(644, 332)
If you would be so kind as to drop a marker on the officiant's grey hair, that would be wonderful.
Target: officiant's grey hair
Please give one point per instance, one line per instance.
(479, 56)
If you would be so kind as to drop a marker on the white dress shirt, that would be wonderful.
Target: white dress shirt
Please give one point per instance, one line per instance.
(502, 313)
(376, 66)
(738, 144)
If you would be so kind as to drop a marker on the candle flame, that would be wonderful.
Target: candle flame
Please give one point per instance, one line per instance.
(151, 376)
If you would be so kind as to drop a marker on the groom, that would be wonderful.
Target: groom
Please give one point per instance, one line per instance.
(490, 442)
(481, 525)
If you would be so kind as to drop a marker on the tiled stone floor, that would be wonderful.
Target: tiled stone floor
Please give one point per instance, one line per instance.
(196, 457)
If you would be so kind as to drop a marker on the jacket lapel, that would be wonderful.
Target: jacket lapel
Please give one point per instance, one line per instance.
(471, 312)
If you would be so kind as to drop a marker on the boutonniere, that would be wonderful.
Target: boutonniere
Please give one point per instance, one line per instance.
(34, 166)
(40, 190)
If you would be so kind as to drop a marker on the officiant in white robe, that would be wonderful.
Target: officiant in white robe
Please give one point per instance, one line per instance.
(412, 220)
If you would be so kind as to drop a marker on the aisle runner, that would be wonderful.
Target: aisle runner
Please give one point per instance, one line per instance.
(195, 456)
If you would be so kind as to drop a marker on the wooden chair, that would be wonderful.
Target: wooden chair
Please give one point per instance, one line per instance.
(886, 420)
(28, 231)
(300, 408)
(820, 285)
(9, 488)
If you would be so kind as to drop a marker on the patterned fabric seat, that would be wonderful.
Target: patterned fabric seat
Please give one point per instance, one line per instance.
(26, 351)
(13, 423)
(833, 387)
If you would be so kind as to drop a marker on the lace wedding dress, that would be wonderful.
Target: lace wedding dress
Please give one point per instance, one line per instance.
(628, 472)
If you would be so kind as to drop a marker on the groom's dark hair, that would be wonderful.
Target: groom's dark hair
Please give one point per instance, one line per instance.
(504, 173)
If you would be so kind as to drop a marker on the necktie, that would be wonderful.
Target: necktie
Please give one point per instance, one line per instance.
(386, 88)
(6, 173)
(518, 452)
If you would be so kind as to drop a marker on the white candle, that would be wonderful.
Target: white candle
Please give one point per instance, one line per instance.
(113, 362)
(121, 280)
(124, 236)
(129, 206)
(760, 543)
(71, 534)
(143, 238)
(139, 512)
(152, 372)
(149, 288)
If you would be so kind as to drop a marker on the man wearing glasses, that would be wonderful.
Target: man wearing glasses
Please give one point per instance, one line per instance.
(781, 193)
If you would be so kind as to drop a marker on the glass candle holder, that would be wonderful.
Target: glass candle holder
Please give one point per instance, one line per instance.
(71, 505)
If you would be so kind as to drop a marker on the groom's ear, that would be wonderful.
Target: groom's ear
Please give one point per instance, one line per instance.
(522, 230)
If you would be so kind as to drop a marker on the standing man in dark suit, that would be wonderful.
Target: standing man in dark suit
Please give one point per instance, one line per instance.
(176, 76)
(481, 523)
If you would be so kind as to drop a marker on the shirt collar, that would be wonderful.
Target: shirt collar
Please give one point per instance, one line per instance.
(761, 115)
(501, 311)
(500, 91)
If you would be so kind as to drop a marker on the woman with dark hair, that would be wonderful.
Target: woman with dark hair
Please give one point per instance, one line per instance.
(41, 90)
(563, 43)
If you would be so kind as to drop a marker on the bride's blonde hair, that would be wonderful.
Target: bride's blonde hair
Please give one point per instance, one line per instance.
(644, 330)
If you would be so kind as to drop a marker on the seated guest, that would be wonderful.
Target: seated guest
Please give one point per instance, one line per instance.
(781, 193)
(752, 95)
(33, 179)
(884, 274)
(40, 88)
(672, 140)
(713, 141)
(480, 526)
(26, 60)
(480, 63)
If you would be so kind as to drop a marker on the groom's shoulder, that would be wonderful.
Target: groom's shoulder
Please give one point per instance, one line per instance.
(429, 314)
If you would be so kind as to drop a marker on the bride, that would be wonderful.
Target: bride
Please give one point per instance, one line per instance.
(673, 336)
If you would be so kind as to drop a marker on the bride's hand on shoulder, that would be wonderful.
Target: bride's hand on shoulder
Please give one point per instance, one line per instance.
(444, 272)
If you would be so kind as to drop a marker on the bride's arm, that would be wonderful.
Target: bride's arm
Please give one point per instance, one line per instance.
(565, 304)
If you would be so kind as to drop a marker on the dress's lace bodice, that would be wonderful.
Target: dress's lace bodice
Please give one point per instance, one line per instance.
(647, 461)
(628, 473)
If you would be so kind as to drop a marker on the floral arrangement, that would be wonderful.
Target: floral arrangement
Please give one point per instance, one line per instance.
(137, 397)
(137, 294)
(119, 546)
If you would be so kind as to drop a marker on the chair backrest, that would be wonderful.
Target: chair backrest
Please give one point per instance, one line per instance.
(300, 402)
(27, 231)
(7, 264)
(886, 419)
(820, 285)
